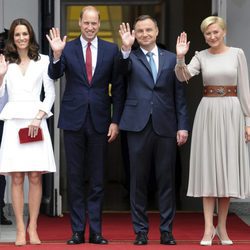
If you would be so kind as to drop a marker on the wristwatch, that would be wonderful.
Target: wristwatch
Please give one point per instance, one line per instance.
(38, 117)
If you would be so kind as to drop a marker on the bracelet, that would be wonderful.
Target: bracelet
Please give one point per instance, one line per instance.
(38, 118)
(180, 62)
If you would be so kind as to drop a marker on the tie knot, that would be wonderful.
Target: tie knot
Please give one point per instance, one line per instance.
(89, 44)
(150, 54)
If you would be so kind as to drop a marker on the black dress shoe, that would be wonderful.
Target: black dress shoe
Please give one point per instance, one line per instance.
(167, 238)
(77, 238)
(141, 238)
(4, 220)
(97, 239)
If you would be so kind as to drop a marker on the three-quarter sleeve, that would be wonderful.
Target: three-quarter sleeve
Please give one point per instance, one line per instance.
(243, 86)
(185, 72)
(49, 88)
(3, 87)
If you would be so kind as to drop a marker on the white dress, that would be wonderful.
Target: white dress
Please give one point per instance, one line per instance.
(23, 104)
(219, 158)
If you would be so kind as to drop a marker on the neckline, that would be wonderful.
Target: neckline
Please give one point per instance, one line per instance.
(24, 72)
(220, 54)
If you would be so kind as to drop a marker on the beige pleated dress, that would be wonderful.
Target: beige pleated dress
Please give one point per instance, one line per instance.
(219, 159)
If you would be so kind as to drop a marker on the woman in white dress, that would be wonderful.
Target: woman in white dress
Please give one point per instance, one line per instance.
(23, 72)
(219, 162)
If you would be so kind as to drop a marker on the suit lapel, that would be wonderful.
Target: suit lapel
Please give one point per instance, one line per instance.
(141, 56)
(80, 58)
(161, 61)
(100, 55)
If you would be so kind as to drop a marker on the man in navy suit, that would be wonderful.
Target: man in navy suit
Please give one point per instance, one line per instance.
(85, 117)
(155, 118)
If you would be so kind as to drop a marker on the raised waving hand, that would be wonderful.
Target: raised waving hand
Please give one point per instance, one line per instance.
(128, 37)
(182, 45)
(3, 68)
(56, 43)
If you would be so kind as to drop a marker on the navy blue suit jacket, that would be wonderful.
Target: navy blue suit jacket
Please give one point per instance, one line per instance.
(79, 94)
(165, 100)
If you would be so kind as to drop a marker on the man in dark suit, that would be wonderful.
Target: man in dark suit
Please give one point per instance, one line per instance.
(155, 118)
(89, 65)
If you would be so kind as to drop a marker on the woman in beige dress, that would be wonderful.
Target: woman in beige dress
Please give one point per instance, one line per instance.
(219, 163)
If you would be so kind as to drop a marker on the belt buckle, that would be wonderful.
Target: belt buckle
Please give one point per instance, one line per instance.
(220, 91)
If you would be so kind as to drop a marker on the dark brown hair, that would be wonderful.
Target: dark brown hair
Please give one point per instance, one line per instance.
(10, 50)
(144, 17)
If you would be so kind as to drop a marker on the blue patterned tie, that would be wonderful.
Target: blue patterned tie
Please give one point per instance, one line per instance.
(152, 65)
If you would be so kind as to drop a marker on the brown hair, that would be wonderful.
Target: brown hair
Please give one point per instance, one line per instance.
(10, 49)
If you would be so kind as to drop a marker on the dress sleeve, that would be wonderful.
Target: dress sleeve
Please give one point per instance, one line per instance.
(49, 88)
(243, 86)
(3, 87)
(185, 72)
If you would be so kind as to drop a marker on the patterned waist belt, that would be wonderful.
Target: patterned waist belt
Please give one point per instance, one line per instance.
(219, 91)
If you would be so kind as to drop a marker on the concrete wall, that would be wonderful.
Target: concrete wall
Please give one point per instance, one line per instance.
(238, 35)
(12, 9)
(237, 16)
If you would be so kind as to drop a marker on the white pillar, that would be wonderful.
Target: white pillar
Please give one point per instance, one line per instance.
(58, 198)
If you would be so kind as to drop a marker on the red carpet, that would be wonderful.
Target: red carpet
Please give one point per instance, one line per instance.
(116, 246)
(117, 227)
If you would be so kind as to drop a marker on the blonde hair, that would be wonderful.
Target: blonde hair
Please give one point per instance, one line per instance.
(211, 20)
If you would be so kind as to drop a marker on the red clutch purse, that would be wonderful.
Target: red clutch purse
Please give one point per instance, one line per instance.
(25, 138)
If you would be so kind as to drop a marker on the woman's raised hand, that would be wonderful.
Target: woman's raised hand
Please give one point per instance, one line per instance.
(182, 46)
(128, 37)
(3, 66)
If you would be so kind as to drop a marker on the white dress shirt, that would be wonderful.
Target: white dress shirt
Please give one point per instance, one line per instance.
(125, 55)
(94, 49)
